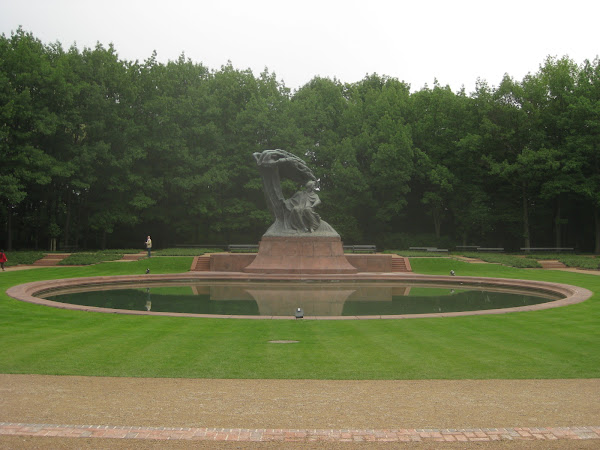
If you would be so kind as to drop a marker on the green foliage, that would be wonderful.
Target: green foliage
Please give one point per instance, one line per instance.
(406, 240)
(574, 261)
(521, 261)
(185, 251)
(417, 253)
(543, 255)
(84, 258)
(507, 260)
(121, 251)
(95, 151)
(244, 250)
(23, 257)
(579, 262)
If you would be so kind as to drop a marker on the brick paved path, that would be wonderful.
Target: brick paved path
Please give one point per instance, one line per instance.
(290, 435)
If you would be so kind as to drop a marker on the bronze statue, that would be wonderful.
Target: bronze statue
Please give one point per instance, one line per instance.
(300, 205)
(295, 215)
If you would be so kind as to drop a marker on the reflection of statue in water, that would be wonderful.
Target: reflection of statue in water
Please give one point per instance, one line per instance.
(295, 215)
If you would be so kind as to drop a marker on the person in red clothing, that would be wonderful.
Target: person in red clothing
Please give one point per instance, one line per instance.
(2, 259)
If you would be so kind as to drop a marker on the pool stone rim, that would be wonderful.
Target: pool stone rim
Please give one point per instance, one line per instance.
(27, 292)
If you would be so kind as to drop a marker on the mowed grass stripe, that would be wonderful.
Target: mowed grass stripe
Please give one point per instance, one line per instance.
(556, 343)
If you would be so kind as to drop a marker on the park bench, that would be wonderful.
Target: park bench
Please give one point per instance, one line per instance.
(364, 249)
(467, 247)
(490, 249)
(547, 249)
(220, 247)
(429, 249)
(360, 248)
(243, 247)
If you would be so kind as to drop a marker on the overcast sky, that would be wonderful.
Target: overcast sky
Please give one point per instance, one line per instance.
(418, 41)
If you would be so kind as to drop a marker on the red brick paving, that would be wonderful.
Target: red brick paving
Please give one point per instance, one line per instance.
(308, 435)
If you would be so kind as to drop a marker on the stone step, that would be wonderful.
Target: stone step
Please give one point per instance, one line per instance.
(202, 264)
(552, 264)
(400, 264)
(51, 259)
(47, 262)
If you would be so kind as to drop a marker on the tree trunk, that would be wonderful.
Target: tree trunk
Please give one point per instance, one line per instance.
(597, 229)
(437, 221)
(9, 231)
(526, 237)
(67, 221)
(557, 224)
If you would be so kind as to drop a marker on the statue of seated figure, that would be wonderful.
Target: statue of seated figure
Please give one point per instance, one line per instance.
(294, 216)
(302, 217)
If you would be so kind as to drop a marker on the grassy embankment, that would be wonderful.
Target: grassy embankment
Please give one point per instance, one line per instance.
(555, 343)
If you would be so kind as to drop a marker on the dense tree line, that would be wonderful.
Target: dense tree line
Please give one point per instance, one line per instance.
(96, 152)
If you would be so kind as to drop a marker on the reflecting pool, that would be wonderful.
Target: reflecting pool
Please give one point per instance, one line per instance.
(314, 298)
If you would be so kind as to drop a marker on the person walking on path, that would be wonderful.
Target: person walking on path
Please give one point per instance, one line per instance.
(149, 246)
(2, 259)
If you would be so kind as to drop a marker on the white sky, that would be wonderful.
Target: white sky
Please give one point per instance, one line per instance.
(455, 41)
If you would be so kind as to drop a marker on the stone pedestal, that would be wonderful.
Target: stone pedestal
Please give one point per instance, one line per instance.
(230, 262)
(306, 254)
(371, 263)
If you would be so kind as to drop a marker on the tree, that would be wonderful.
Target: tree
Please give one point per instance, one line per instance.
(436, 126)
(583, 141)
(558, 79)
(94, 148)
(517, 154)
(384, 148)
(28, 119)
(320, 110)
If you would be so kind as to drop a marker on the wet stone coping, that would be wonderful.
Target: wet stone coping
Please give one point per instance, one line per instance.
(28, 292)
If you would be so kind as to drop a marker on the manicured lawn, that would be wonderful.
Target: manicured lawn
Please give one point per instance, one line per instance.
(555, 343)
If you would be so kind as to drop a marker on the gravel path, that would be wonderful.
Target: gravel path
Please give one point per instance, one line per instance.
(294, 404)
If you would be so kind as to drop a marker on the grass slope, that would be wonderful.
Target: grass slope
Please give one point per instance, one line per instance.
(555, 343)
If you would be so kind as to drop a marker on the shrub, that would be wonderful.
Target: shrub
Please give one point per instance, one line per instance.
(404, 241)
(84, 259)
(507, 260)
(416, 253)
(185, 251)
(543, 256)
(23, 257)
(580, 262)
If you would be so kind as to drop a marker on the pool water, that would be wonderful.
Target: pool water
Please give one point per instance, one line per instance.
(314, 298)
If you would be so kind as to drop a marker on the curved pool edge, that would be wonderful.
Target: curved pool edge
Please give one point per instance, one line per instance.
(27, 292)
